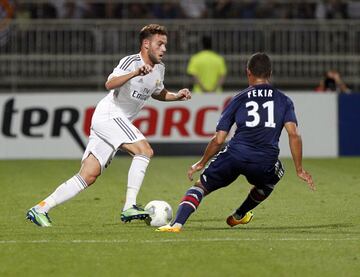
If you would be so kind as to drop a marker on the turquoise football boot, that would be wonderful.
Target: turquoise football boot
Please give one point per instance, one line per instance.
(40, 219)
(134, 212)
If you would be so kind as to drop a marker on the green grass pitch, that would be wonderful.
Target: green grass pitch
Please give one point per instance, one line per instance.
(296, 232)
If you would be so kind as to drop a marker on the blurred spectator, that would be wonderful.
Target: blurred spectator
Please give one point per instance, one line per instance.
(194, 8)
(266, 9)
(114, 10)
(105, 10)
(167, 10)
(207, 68)
(23, 11)
(247, 10)
(353, 9)
(223, 9)
(136, 10)
(331, 9)
(305, 11)
(7, 10)
(299, 10)
(70, 9)
(332, 82)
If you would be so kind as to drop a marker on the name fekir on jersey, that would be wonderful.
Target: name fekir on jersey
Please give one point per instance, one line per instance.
(131, 96)
(259, 113)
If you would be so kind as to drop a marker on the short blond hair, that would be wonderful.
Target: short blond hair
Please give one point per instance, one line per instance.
(150, 30)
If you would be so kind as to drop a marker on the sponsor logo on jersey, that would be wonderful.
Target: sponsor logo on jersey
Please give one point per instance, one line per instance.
(144, 95)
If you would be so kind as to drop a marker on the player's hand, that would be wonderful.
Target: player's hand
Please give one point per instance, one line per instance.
(195, 167)
(145, 69)
(183, 94)
(305, 176)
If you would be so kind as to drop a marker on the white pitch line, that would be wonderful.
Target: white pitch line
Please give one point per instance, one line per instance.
(167, 240)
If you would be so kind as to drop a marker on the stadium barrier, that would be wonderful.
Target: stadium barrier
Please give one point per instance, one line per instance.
(53, 53)
(54, 126)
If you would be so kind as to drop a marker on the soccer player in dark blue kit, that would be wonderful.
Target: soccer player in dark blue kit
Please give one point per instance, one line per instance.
(260, 112)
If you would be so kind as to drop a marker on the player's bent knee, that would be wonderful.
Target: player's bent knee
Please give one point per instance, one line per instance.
(145, 150)
(139, 148)
(148, 152)
(90, 169)
(89, 176)
(200, 185)
(89, 179)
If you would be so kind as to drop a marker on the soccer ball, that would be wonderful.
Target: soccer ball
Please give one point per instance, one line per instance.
(160, 213)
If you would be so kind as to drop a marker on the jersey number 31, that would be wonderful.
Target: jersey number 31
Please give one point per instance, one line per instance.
(253, 112)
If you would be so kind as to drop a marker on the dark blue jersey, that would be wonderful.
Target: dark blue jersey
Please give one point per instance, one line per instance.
(260, 113)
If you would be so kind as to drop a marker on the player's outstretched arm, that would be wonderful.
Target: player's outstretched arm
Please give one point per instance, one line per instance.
(118, 81)
(165, 95)
(212, 148)
(295, 143)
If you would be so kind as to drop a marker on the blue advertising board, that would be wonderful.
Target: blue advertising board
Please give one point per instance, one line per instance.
(349, 124)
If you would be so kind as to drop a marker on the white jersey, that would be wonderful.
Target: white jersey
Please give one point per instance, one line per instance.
(131, 97)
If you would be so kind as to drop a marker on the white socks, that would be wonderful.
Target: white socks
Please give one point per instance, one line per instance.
(135, 178)
(76, 184)
(64, 192)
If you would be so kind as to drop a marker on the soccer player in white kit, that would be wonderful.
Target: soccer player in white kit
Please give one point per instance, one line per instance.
(132, 82)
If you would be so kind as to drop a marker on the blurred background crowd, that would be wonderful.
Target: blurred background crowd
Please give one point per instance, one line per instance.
(171, 9)
(55, 44)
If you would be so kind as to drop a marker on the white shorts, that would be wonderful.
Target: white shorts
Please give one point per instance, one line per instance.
(106, 136)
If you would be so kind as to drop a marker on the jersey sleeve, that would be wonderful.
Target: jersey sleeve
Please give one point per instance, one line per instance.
(122, 68)
(227, 118)
(160, 83)
(290, 112)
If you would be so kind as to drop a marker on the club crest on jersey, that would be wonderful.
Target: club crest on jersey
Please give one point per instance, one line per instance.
(157, 83)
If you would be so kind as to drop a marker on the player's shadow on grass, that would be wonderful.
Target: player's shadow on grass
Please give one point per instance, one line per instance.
(292, 229)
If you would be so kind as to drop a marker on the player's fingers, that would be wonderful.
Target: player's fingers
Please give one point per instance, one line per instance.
(184, 94)
(145, 69)
(308, 178)
(303, 176)
(312, 186)
(311, 183)
(195, 167)
(181, 94)
(190, 174)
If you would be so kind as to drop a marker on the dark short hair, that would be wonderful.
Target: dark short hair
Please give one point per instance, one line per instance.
(259, 65)
(207, 42)
(150, 30)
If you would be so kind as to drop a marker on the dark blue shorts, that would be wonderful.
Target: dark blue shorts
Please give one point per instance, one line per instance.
(225, 169)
